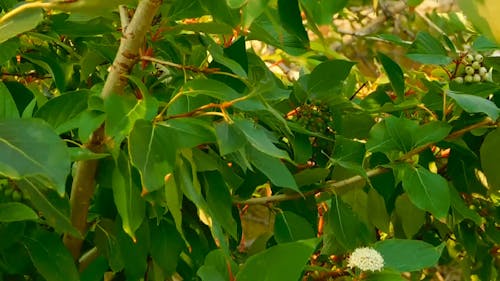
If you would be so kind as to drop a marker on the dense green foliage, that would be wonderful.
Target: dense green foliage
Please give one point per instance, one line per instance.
(147, 169)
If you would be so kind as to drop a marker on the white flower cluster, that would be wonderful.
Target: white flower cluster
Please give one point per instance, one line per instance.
(366, 259)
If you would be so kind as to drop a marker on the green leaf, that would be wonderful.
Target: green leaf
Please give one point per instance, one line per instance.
(349, 154)
(229, 138)
(408, 255)
(428, 191)
(50, 257)
(290, 227)
(18, 23)
(211, 88)
(385, 275)
(49, 61)
(235, 4)
(288, 260)
(9, 49)
(490, 153)
(55, 209)
(220, 202)
(326, 80)
(483, 14)
(377, 214)
(273, 168)
(95, 270)
(394, 73)
(431, 132)
(475, 104)
(127, 196)
(461, 209)
(347, 228)
(410, 217)
(252, 10)
(63, 112)
(259, 138)
(121, 114)
(14, 211)
(173, 197)
(152, 152)
(291, 19)
(428, 50)
(218, 55)
(216, 267)
(166, 246)
(29, 147)
(311, 176)
(8, 108)
(82, 154)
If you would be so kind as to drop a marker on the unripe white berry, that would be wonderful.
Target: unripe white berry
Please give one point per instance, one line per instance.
(479, 58)
(476, 65)
(469, 70)
(468, 78)
(469, 58)
(483, 70)
(476, 78)
(459, 80)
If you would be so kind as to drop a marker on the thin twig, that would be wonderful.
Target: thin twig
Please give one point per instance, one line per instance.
(180, 66)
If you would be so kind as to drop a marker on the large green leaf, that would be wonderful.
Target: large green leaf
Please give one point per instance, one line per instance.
(51, 259)
(484, 15)
(404, 135)
(220, 202)
(428, 191)
(408, 255)
(229, 138)
(346, 226)
(29, 147)
(288, 260)
(259, 138)
(408, 215)
(166, 246)
(428, 50)
(217, 266)
(50, 62)
(62, 112)
(252, 10)
(395, 74)
(290, 227)
(8, 109)
(273, 168)
(55, 209)
(211, 88)
(326, 80)
(490, 153)
(14, 211)
(127, 196)
(475, 104)
(291, 19)
(18, 23)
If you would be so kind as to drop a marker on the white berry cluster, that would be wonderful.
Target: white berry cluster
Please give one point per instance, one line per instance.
(366, 259)
(474, 70)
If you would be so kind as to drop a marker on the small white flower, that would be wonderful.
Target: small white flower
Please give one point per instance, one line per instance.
(366, 259)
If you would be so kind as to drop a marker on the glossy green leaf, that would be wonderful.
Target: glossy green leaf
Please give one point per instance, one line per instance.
(490, 153)
(259, 138)
(50, 257)
(166, 246)
(475, 104)
(395, 74)
(13, 211)
(273, 168)
(408, 255)
(461, 210)
(127, 196)
(216, 267)
(291, 19)
(62, 112)
(428, 191)
(347, 227)
(8, 108)
(211, 88)
(55, 209)
(229, 138)
(80, 154)
(18, 23)
(29, 147)
(408, 215)
(220, 202)
(121, 114)
(428, 50)
(252, 10)
(290, 227)
(290, 268)
(326, 80)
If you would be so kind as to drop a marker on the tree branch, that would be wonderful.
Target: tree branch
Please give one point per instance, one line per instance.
(83, 185)
(335, 186)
